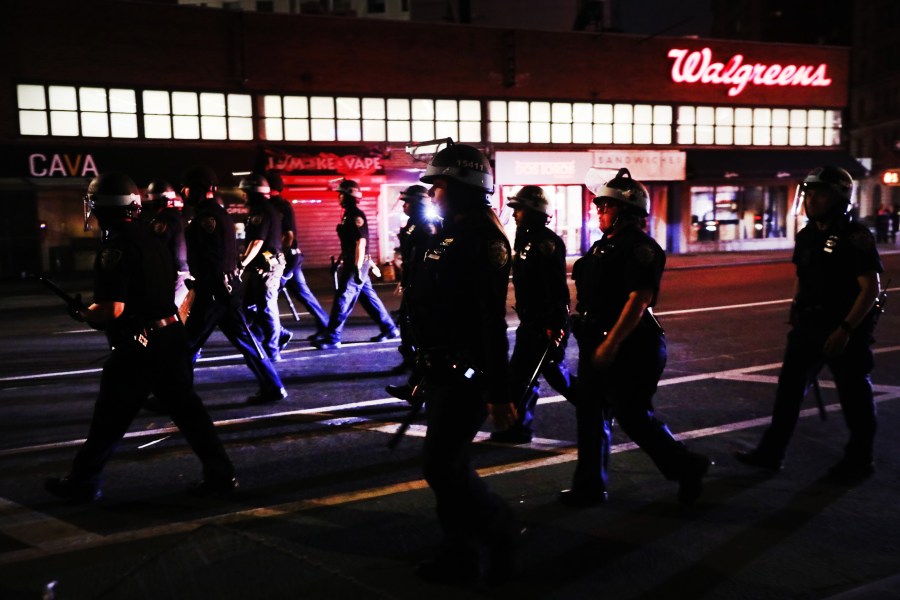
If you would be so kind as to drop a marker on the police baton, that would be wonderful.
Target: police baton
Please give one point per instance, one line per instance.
(334, 273)
(417, 400)
(534, 375)
(290, 304)
(817, 395)
(73, 302)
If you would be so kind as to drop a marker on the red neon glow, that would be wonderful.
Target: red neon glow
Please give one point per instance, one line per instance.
(698, 67)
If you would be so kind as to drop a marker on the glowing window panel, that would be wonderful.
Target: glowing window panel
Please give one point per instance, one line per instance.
(92, 99)
(296, 130)
(422, 110)
(348, 108)
(762, 136)
(687, 115)
(497, 110)
(273, 129)
(797, 136)
(272, 106)
(296, 107)
(213, 105)
(446, 110)
(743, 136)
(662, 115)
(322, 130)
(540, 112)
(240, 105)
(321, 107)
(423, 130)
(622, 133)
(643, 114)
(815, 118)
(724, 135)
(469, 110)
(798, 118)
(497, 132)
(685, 134)
(443, 129)
(123, 125)
(213, 128)
(603, 133)
(122, 101)
(33, 122)
(724, 115)
(398, 108)
(743, 117)
(518, 112)
(64, 123)
(469, 131)
(582, 113)
(240, 128)
(561, 112)
(373, 108)
(158, 127)
(31, 97)
(186, 127)
(62, 98)
(779, 136)
(540, 132)
(582, 133)
(156, 103)
(662, 134)
(185, 103)
(518, 133)
(349, 130)
(398, 131)
(706, 115)
(815, 136)
(762, 116)
(623, 113)
(705, 134)
(561, 133)
(780, 117)
(643, 133)
(94, 124)
(603, 113)
(374, 130)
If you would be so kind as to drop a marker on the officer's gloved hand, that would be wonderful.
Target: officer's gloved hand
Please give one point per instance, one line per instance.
(75, 309)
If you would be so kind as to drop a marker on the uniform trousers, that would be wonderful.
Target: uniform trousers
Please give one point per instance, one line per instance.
(349, 291)
(262, 292)
(295, 283)
(803, 359)
(531, 342)
(211, 310)
(622, 391)
(131, 373)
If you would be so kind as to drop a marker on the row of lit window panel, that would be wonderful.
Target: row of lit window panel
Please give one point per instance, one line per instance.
(100, 112)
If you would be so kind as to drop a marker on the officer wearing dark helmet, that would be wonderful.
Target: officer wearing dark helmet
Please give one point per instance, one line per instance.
(212, 257)
(166, 222)
(293, 279)
(458, 305)
(832, 320)
(622, 349)
(133, 303)
(542, 304)
(263, 263)
(353, 281)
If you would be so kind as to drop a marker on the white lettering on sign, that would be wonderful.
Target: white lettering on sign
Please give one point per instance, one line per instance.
(545, 168)
(62, 165)
(325, 162)
(699, 67)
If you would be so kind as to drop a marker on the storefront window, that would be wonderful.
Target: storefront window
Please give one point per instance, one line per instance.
(564, 209)
(729, 213)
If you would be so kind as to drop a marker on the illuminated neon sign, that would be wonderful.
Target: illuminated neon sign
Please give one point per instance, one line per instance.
(697, 66)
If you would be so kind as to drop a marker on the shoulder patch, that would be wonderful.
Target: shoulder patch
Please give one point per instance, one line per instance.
(360, 222)
(498, 254)
(644, 254)
(208, 224)
(160, 227)
(547, 247)
(109, 258)
(255, 220)
(861, 239)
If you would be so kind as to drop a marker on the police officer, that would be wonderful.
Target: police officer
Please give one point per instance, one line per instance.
(263, 263)
(293, 280)
(353, 278)
(212, 256)
(165, 220)
(542, 304)
(134, 284)
(622, 349)
(832, 316)
(458, 306)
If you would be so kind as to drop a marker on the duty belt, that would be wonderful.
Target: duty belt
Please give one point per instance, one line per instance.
(160, 323)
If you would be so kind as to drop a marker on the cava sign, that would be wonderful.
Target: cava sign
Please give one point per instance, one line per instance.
(698, 66)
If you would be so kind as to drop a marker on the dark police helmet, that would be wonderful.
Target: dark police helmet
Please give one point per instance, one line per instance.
(200, 179)
(160, 192)
(348, 187)
(255, 184)
(112, 196)
(414, 194)
(625, 190)
(461, 163)
(530, 197)
(275, 181)
(832, 178)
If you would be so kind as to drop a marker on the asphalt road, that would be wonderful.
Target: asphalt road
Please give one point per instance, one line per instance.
(325, 510)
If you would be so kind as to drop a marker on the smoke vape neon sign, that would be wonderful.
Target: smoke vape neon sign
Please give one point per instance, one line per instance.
(698, 67)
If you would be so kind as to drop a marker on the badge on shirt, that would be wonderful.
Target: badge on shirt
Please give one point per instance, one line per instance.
(862, 240)
(547, 247)
(208, 224)
(160, 227)
(498, 254)
(109, 258)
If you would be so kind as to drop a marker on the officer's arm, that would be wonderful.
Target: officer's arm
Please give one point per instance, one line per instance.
(287, 240)
(628, 320)
(250, 252)
(865, 300)
(360, 254)
(101, 313)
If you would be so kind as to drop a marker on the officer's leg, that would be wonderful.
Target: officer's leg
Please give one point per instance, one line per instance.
(802, 362)
(852, 378)
(557, 374)
(375, 308)
(344, 301)
(269, 316)
(526, 354)
(175, 389)
(593, 427)
(123, 389)
(235, 328)
(205, 315)
(297, 284)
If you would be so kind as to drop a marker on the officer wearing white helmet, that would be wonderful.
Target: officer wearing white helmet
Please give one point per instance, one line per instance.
(133, 303)
(542, 304)
(833, 316)
(622, 349)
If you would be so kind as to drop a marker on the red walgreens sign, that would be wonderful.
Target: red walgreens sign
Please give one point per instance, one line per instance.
(698, 66)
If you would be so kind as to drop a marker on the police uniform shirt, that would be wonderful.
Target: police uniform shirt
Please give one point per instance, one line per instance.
(264, 223)
(353, 227)
(288, 219)
(539, 277)
(169, 226)
(458, 297)
(211, 243)
(613, 268)
(134, 267)
(414, 238)
(828, 264)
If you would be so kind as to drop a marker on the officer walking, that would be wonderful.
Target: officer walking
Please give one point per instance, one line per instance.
(166, 221)
(833, 319)
(353, 277)
(542, 304)
(134, 283)
(622, 349)
(212, 256)
(293, 280)
(263, 263)
(458, 306)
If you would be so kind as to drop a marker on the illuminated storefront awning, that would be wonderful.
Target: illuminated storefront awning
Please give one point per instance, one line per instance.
(766, 164)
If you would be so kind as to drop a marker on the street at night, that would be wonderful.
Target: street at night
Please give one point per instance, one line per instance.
(325, 510)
